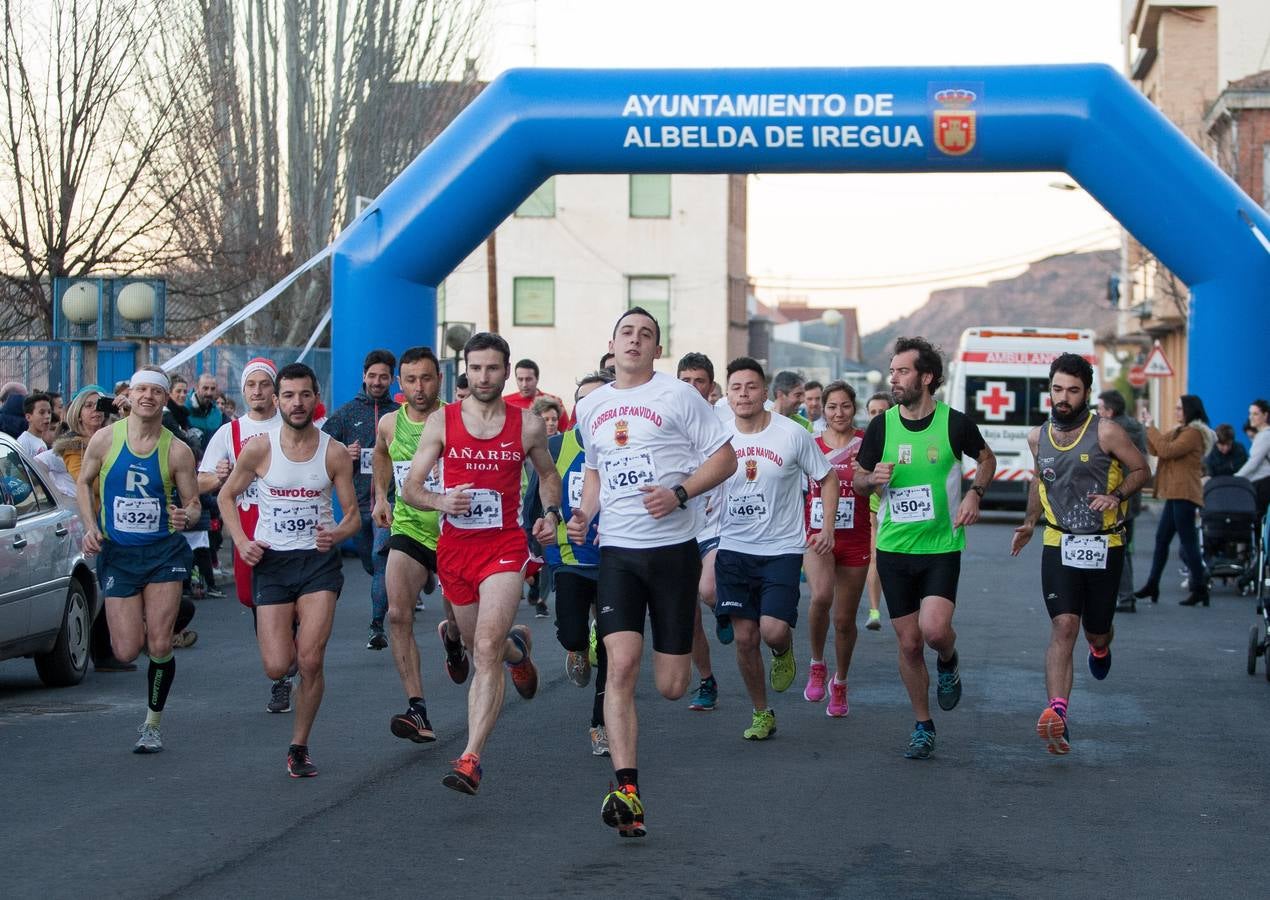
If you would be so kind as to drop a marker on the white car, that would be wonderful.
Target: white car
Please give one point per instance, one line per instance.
(48, 590)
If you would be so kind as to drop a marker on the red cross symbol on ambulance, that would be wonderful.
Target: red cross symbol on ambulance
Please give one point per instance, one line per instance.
(994, 401)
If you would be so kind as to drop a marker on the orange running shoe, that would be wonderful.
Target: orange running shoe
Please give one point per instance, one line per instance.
(1052, 728)
(465, 777)
(524, 673)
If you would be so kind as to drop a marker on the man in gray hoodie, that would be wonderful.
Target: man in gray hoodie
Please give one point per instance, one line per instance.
(1111, 406)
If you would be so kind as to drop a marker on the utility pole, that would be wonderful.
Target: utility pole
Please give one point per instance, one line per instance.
(491, 268)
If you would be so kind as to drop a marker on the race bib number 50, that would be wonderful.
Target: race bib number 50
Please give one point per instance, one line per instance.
(137, 515)
(912, 504)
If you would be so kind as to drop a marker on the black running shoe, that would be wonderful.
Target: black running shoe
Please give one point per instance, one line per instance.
(948, 683)
(299, 765)
(456, 662)
(413, 725)
(280, 696)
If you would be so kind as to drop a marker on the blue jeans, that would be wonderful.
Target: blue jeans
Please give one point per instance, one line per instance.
(1178, 518)
(373, 539)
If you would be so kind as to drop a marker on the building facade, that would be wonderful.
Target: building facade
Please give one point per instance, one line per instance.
(1183, 56)
(583, 248)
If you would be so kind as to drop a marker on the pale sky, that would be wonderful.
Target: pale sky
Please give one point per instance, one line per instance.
(846, 239)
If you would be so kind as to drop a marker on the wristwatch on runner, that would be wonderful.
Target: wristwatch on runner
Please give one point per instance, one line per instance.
(978, 490)
(554, 511)
(681, 495)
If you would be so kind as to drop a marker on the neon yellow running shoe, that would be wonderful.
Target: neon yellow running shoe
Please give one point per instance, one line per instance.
(762, 726)
(784, 668)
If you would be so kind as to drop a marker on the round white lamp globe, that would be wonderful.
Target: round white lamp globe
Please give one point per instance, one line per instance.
(136, 302)
(831, 317)
(79, 303)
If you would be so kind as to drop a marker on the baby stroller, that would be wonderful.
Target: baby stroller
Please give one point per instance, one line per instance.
(1229, 531)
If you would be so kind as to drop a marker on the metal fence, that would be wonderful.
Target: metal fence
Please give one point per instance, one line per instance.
(59, 365)
(43, 365)
(226, 362)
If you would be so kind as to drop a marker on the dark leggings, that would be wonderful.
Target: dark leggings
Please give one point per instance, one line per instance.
(574, 596)
(1178, 518)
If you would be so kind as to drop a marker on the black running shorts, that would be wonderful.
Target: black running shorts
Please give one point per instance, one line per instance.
(660, 583)
(124, 571)
(1088, 593)
(420, 553)
(284, 576)
(909, 577)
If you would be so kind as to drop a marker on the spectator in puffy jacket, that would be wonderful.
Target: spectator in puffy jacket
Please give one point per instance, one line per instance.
(1227, 454)
(12, 418)
(205, 412)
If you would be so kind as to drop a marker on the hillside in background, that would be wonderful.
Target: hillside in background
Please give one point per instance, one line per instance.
(1068, 290)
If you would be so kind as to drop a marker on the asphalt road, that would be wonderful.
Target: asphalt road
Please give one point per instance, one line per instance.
(1165, 792)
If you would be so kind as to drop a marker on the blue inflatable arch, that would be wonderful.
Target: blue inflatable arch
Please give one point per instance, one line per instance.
(1085, 120)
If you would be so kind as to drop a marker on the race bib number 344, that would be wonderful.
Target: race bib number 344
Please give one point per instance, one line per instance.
(486, 510)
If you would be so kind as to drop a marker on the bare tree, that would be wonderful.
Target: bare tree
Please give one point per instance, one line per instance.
(298, 107)
(87, 144)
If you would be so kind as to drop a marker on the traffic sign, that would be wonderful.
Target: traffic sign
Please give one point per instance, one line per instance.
(1137, 376)
(1157, 364)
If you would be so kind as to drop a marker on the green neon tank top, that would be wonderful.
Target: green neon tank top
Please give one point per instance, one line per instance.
(419, 524)
(915, 513)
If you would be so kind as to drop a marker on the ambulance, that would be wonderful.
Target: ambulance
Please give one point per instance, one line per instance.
(1000, 378)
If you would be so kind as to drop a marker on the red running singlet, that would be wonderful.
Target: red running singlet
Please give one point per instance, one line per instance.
(492, 466)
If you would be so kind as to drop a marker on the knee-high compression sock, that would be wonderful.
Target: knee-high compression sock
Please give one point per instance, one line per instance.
(159, 679)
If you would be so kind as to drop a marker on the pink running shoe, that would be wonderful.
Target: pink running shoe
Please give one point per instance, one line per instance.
(838, 706)
(814, 692)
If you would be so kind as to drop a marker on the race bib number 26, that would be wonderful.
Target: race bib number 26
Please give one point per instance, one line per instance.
(625, 472)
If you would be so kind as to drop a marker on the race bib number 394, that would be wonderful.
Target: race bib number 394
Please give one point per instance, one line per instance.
(912, 504)
(136, 515)
(1084, 551)
(299, 521)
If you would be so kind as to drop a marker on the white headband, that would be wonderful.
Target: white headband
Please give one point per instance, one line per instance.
(146, 376)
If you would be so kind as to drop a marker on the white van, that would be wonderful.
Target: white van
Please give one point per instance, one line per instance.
(1000, 378)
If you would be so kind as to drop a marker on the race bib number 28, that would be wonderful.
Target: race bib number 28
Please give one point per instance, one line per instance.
(1084, 551)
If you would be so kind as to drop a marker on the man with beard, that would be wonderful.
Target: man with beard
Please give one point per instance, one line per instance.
(482, 552)
(412, 543)
(355, 425)
(261, 398)
(1086, 470)
(911, 455)
(205, 415)
(295, 551)
(136, 468)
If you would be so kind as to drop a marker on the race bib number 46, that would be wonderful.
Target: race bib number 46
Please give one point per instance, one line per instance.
(1084, 551)
(912, 504)
(625, 472)
(137, 515)
(747, 507)
(845, 517)
(290, 522)
(486, 511)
